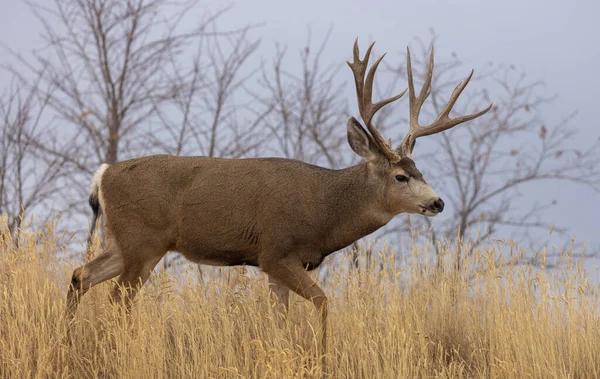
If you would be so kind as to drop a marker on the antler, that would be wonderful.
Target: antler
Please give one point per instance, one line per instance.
(364, 96)
(443, 121)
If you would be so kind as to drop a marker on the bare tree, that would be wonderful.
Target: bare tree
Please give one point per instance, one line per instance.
(138, 77)
(483, 168)
(29, 176)
(308, 108)
(210, 112)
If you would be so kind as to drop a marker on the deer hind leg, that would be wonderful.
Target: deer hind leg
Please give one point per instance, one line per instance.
(104, 267)
(280, 296)
(138, 267)
(292, 274)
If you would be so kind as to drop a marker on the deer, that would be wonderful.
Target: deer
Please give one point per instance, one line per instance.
(283, 216)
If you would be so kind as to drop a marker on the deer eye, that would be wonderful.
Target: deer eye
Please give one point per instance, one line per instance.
(402, 178)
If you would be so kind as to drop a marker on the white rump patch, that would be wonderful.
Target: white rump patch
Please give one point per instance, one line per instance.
(95, 185)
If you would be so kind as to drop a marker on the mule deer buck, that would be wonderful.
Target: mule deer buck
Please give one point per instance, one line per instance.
(282, 215)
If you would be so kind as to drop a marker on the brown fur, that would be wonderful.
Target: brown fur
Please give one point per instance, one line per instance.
(232, 212)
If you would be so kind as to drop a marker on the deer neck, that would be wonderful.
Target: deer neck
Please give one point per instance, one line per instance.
(356, 206)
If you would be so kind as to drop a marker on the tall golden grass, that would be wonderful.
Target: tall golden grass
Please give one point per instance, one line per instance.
(390, 320)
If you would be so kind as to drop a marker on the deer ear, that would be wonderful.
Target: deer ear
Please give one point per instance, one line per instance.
(360, 141)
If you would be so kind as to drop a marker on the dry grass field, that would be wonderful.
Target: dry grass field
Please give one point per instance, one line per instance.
(392, 320)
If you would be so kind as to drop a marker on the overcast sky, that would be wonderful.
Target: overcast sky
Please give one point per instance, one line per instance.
(551, 40)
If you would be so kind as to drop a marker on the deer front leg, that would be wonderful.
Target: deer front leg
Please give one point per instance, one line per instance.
(292, 274)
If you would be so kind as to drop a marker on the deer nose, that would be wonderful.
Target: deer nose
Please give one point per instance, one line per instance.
(438, 205)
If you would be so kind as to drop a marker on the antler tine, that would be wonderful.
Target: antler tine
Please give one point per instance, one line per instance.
(455, 94)
(359, 68)
(443, 121)
(364, 95)
(368, 94)
(416, 102)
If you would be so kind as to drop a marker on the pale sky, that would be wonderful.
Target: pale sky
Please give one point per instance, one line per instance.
(551, 40)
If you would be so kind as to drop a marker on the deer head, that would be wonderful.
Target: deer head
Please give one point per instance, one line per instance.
(403, 187)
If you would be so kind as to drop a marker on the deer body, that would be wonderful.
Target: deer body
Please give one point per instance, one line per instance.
(282, 215)
(240, 211)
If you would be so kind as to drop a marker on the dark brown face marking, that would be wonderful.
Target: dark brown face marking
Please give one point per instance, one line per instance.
(408, 165)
